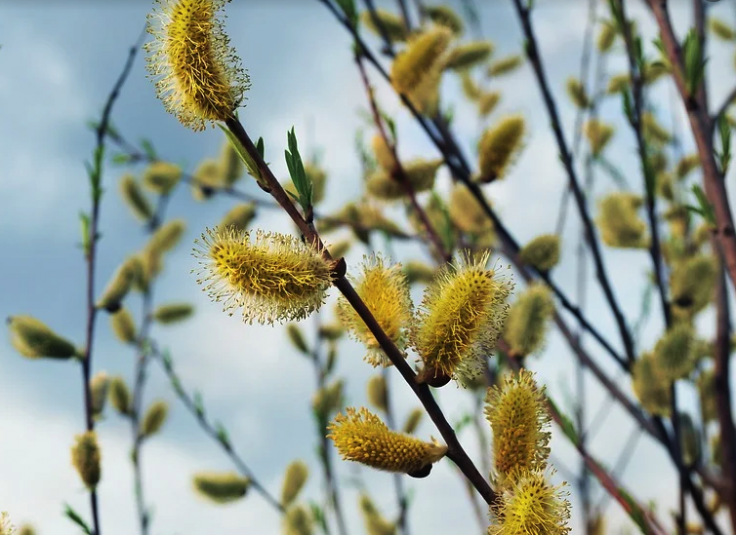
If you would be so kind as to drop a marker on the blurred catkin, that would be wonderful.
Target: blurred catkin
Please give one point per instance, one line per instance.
(469, 55)
(239, 216)
(294, 479)
(361, 436)
(86, 458)
(598, 135)
(231, 166)
(606, 36)
(98, 387)
(328, 400)
(652, 391)
(377, 394)
(505, 65)
(445, 16)
(420, 174)
(499, 146)
(118, 287)
(542, 252)
(207, 179)
(296, 337)
(34, 339)
(674, 355)
(161, 177)
(298, 521)
(173, 313)
(392, 24)
(221, 487)
(416, 271)
(529, 315)
(154, 418)
(721, 30)
(413, 421)
(119, 395)
(467, 212)
(577, 93)
(123, 326)
(619, 222)
(134, 197)
(487, 102)
(692, 284)
(373, 521)
(167, 236)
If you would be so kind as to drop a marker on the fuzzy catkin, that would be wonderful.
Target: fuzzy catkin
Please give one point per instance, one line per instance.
(34, 339)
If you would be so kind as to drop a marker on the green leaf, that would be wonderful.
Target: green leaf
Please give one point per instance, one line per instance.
(222, 435)
(627, 105)
(706, 208)
(72, 515)
(319, 517)
(120, 158)
(84, 221)
(250, 164)
(566, 423)
(724, 131)
(147, 147)
(694, 62)
(302, 183)
(198, 404)
(261, 147)
(464, 420)
(348, 7)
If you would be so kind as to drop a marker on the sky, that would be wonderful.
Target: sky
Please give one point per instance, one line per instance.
(62, 58)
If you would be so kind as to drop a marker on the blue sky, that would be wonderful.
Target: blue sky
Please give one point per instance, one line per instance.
(61, 60)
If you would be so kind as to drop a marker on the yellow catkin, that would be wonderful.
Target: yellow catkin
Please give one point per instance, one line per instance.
(413, 420)
(466, 212)
(119, 395)
(606, 36)
(221, 487)
(505, 65)
(461, 316)
(520, 425)
(377, 393)
(487, 102)
(542, 253)
(173, 313)
(34, 339)
(469, 55)
(619, 222)
(577, 93)
(382, 152)
(239, 216)
(385, 291)
(652, 390)
(529, 315)
(6, 527)
(419, 173)
(161, 177)
(374, 522)
(362, 437)
(674, 353)
(154, 418)
(692, 284)
(654, 71)
(298, 521)
(24, 530)
(207, 179)
(531, 505)
(123, 326)
(499, 146)
(118, 287)
(294, 479)
(198, 76)
(340, 248)
(86, 458)
(98, 387)
(134, 198)
(392, 24)
(271, 277)
(598, 135)
(721, 29)
(331, 331)
(416, 72)
(445, 16)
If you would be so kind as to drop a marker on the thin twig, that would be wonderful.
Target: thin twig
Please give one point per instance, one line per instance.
(211, 428)
(91, 253)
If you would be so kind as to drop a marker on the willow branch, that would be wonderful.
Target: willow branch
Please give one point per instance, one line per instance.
(455, 452)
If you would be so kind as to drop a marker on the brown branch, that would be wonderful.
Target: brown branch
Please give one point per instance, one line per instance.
(701, 126)
(455, 452)
(723, 391)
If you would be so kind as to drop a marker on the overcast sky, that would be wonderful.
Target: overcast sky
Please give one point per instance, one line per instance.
(60, 60)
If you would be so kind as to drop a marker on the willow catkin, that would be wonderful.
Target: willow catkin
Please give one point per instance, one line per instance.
(294, 479)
